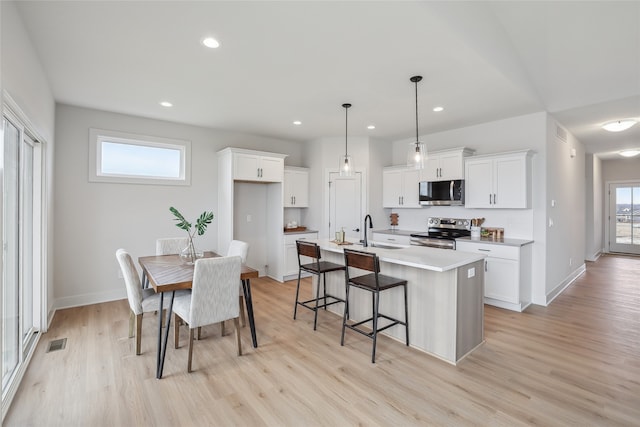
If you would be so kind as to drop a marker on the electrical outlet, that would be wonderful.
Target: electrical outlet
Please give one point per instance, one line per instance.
(570, 262)
(249, 218)
(471, 272)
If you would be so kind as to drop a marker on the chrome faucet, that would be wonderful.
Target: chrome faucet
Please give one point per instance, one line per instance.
(364, 241)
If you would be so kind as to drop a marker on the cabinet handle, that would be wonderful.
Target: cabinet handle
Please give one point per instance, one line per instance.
(494, 199)
(294, 200)
(391, 240)
(485, 266)
(490, 198)
(484, 250)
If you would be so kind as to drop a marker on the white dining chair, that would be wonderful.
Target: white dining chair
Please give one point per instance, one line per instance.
(140, 300)
(171, 245)
(213, 299)
(241, 249)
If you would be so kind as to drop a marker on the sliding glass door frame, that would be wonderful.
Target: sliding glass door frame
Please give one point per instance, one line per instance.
(615, 241)
(29, 211)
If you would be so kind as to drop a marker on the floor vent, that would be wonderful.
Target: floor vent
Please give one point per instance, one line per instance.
(56, 345)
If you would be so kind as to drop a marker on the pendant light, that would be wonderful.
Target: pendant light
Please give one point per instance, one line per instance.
(417, 150)
(346, 162)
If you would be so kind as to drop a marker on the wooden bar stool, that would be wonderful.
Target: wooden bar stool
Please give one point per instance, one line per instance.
(317, 268)
(375, 283)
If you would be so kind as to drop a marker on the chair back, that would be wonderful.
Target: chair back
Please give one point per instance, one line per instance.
(171, 245)
(307, 249)
(214, 293)
(362, 260)
(131, 280)
(238, 248)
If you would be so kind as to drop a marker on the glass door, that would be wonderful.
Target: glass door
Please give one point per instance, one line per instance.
(21, 286)
(624, 218)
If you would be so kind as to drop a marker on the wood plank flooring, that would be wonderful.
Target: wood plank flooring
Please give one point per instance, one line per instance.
(576, 362)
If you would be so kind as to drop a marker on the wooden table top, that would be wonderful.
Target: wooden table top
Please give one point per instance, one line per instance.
(170, 273)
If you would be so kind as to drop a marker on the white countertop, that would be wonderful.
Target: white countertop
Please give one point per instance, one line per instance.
(415, 256)
(492, 241)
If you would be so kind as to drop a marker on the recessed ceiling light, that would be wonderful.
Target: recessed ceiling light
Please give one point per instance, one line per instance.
(371, 127)
(297, 123)
(166, 104)
(629, 153)
(438, 109)
(210, 42)
(619, 125)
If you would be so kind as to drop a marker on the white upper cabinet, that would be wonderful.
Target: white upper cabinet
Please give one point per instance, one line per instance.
(445, 165)
(400, 187)
(257, 166)
(296, 187)
(501, 181)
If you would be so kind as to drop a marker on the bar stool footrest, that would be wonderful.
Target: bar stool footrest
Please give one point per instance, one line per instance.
(354, 326)
(306, 304)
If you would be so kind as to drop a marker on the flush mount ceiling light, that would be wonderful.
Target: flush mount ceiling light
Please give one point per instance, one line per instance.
(629, 153)
(619, 125)
(438, 109)
(346, 162)
(166, 104)
(371, 127)
(297, 123)
(211, 43)
(417, 150)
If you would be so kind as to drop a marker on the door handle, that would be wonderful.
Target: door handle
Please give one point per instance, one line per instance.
(357, 230)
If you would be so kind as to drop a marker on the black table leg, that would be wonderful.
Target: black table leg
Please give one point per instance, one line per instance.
(159, 336)
(162, 347)
(246, 289)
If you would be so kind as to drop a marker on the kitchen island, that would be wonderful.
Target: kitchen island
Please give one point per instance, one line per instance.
(445, 291)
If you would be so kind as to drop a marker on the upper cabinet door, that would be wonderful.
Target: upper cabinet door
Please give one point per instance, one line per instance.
(392, 188)
(245, 167)
(271, 169)
(410, 188)
(296, 188)
(501, 181)
(478, 191)
(445, 165)
(251, 167)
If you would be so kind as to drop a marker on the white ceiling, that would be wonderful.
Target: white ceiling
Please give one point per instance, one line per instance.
(301, 60)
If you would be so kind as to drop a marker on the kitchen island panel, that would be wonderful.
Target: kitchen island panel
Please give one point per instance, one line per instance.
(445, 308)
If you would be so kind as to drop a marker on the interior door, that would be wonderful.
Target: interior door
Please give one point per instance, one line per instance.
(345, 205)
(624, 218)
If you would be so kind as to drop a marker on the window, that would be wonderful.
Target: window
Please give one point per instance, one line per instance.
(136, 159)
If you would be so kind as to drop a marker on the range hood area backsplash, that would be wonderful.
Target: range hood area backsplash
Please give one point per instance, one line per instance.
(517, 223)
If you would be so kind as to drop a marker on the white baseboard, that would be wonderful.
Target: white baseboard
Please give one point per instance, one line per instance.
(88, 299)
(565, 283)
(595, 256)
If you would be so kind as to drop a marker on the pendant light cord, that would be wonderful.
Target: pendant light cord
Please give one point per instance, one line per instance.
(416, 113)
(346, 126)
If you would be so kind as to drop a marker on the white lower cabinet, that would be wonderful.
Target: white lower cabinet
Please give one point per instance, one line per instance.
(291, 253)
(507, 273)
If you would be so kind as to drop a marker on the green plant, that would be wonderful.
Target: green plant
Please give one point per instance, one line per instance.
(200, 227)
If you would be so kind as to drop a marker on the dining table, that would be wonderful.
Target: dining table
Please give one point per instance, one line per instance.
(170, 273)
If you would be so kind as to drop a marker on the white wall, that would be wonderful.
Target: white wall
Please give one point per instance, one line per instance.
(321, 155)
(24, 79)
(594, 208)
(566, 185)
(621, 169)
(93, 220)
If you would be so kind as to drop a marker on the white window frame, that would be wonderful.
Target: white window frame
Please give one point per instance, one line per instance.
(98, 136)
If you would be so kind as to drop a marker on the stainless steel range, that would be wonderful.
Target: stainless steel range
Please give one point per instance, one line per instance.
(442, 233)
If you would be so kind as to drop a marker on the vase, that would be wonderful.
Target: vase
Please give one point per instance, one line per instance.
(190, 254)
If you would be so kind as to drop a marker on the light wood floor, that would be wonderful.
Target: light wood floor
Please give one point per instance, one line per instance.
(576, 362)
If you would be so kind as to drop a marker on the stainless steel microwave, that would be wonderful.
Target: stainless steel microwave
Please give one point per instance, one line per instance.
(442, 193)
